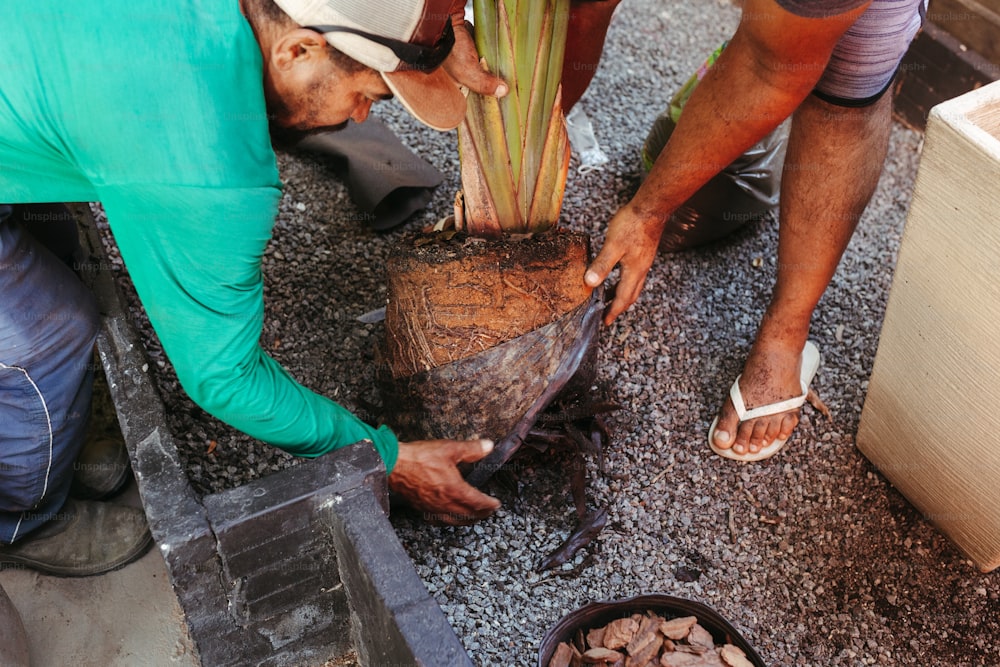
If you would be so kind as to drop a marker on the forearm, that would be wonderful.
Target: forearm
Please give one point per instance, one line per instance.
(260, 398)
(771, 64)
(203, 292)
(732, 108)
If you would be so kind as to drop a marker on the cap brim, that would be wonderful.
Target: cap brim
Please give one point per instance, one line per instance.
(434, 98)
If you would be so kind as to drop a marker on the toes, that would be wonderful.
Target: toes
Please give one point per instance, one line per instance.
(773, 430)
(788, 423)
(758, 435)
(725, 429)
(744, 439)
(721, 438)
(753, 436)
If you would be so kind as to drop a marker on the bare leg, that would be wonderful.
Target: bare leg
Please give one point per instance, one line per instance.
(588, 28)
(835, 156)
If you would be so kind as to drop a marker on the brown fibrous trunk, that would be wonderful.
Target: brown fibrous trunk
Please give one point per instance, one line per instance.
(451, 297)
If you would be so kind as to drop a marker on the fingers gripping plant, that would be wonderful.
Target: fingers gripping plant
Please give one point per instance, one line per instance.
(514, 151)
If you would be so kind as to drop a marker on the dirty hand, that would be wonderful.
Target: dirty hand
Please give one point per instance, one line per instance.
(426, 476)
(463, 62)
(631, 241)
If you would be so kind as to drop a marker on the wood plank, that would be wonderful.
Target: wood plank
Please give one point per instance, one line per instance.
(936, 69)
(975, 7)
(975, 23)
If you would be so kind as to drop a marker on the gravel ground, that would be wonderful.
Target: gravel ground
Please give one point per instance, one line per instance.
(812, 555)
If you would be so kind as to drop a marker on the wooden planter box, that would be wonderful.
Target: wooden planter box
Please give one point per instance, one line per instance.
(930, 421)
(296, 569)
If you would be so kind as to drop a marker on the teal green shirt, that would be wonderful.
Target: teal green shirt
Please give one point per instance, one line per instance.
(156, 109)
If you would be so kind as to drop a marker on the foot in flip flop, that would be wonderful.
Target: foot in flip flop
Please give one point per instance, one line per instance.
(768, 437)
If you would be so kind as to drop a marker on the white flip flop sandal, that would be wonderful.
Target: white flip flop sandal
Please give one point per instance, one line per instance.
(810, 364)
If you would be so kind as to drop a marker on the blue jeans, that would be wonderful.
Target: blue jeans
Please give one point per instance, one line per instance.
(48, 325)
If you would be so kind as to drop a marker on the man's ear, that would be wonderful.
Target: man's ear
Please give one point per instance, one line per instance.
(298, 47)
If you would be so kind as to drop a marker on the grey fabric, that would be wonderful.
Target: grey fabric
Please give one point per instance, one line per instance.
(819, 8)
(384, 178)
(867, 56)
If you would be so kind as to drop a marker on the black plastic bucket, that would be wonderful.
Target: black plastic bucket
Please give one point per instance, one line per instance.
(596, 614)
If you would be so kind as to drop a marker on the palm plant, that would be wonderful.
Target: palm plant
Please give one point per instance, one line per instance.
(515, 152)
(481, 336)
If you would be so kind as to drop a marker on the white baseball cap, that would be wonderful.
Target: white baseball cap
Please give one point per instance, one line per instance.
(404, 40)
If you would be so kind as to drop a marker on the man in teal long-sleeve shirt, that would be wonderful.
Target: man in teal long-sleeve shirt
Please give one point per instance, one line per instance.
(161, 112)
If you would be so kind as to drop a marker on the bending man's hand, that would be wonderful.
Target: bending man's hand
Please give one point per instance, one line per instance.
(631, 241)
(426, 476)
(462, 64)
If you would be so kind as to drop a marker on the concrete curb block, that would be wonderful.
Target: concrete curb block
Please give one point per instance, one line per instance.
(297, 568)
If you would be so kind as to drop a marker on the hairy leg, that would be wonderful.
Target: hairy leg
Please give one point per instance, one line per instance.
(588, 28)
(834, 159)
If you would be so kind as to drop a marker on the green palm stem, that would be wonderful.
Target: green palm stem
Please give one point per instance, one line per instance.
(514, 152)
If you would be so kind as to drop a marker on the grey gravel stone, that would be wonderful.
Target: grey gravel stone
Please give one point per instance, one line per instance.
(813, 556)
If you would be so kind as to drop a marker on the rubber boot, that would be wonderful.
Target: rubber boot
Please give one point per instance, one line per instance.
(84, 538)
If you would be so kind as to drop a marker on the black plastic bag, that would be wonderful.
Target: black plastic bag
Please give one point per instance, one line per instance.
(744, 192)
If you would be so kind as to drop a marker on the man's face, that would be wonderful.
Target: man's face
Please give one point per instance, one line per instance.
(305, 90)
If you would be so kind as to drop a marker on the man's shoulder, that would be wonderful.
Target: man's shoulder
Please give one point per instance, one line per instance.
(152, 92)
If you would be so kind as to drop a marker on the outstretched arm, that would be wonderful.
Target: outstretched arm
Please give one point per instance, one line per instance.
(771, 64)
